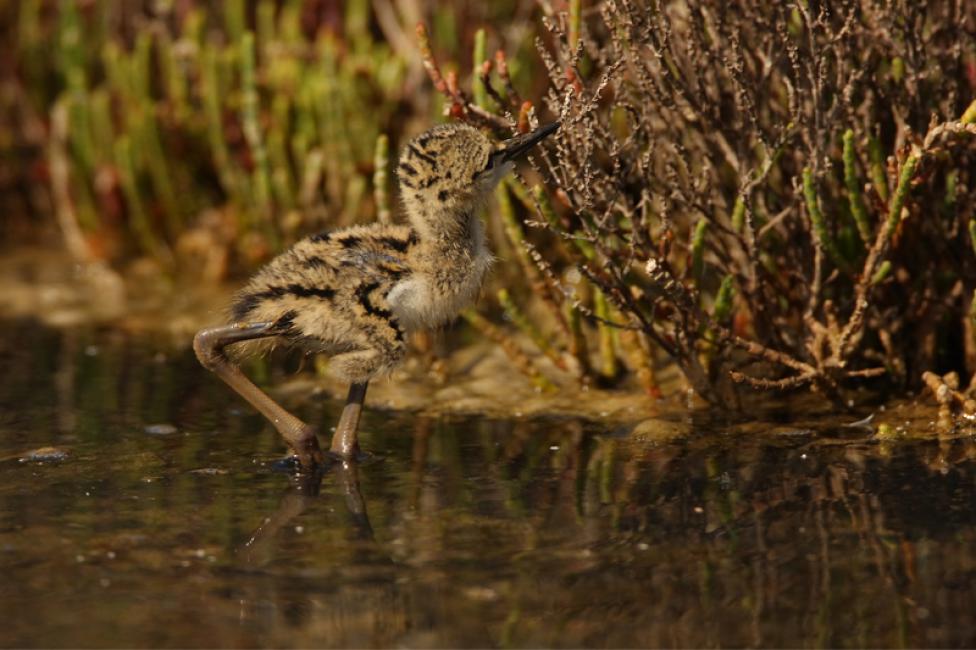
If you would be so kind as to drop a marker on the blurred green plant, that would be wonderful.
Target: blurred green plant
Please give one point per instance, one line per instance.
(239, 125)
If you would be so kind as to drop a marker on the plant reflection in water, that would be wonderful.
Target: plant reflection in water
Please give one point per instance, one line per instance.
(162, 522)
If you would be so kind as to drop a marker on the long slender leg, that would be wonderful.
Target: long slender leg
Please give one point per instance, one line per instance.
(384, 348)
(344, 441)
(209, 345)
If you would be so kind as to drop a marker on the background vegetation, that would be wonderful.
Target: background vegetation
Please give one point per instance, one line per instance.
(767, 197)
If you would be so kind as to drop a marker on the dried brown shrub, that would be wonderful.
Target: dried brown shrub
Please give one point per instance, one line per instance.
(777, 194)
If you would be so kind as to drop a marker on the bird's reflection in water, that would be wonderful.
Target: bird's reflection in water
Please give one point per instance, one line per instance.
(350, 595)
(305, 488)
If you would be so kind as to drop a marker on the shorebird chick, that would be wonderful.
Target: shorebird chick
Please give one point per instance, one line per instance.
(356, 293)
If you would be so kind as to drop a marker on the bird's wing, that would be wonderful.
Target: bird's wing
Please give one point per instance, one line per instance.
(374, 265)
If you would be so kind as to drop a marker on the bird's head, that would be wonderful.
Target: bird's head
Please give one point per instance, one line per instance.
(454, 167)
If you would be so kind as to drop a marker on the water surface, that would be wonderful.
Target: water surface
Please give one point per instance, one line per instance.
(168, 523)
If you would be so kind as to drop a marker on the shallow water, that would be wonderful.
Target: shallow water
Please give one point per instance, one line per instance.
(168, 523)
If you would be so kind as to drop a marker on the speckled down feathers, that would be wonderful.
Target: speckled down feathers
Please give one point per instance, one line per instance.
(328, 294)
(355, 293)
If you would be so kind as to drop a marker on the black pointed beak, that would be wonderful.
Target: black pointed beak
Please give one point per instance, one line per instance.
(514, 148)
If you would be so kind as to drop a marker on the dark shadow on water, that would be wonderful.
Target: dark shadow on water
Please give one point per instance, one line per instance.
(162, 521)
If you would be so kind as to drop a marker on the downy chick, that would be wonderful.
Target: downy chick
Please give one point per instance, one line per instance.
(355, 293)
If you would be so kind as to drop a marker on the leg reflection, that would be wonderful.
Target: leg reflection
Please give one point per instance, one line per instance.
(304, 489)
(347, 478)
(259, 549)
(338, 585)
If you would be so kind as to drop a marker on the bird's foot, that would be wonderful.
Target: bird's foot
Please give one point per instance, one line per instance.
(305, 447)
(292, 464)
(304, 480)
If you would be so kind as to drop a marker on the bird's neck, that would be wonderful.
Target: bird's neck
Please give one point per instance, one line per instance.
(448, 231)
(451, 249)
